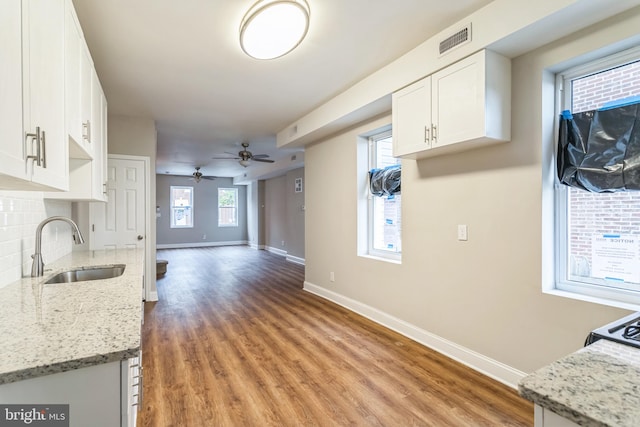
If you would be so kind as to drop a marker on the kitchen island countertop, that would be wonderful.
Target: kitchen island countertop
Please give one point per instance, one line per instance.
(598, 385)
(51, 328)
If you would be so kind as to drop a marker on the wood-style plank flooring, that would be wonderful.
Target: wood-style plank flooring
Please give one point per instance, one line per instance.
(235, 341)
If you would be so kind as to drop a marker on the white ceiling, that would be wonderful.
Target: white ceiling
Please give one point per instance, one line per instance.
(180, 63)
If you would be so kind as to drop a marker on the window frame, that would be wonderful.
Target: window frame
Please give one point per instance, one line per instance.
(591, 289)
(172, 206)
(372, 163)
(236, 223)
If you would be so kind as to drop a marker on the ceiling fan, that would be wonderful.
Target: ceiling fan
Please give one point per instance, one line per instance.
(198, 176)
(244, 156)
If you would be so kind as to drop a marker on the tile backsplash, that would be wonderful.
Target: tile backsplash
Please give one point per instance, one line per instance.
(20, 214)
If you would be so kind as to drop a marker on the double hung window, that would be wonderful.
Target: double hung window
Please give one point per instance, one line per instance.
(598, 233)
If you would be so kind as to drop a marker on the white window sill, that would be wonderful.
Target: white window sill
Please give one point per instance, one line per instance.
(380, 258)
(592, 299)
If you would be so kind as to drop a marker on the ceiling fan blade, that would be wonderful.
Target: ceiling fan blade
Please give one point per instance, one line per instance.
(225, 158)
(262, 160)
(260, 156)
(210, 178)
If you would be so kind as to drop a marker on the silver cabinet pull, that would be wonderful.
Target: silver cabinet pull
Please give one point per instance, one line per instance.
(426, 134)
(44, 151)
(35, 137)
(86, 130)
(434, 133)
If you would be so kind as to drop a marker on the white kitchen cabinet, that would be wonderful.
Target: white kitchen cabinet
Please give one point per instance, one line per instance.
(463, 106)
(78, 76)
(103, 395)
(132, 395)
(87, 177)
(86, 122)
(33, 149)
(411, 107)
(545, 418)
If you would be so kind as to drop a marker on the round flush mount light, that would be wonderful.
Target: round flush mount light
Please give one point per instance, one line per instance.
(273, 28)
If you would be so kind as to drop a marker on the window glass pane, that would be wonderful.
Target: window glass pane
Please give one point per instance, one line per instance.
(603, 229)
(385, 212)
(181, 207)
(227, 207)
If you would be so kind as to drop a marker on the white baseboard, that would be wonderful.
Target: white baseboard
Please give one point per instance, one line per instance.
(257, 247)
(275, 250)
(295, 259)
(201, 244)
(492, 368)
(152, 296)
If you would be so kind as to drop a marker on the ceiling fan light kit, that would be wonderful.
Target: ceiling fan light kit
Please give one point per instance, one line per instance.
(273, 28)
(245, 156)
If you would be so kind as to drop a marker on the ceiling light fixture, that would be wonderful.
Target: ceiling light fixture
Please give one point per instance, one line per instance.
(244, 162)
(273, 28)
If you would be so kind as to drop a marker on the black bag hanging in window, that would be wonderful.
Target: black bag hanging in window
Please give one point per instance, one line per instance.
(599, 150)
(385, 182)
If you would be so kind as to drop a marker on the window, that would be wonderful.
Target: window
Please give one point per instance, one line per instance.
(227, 207)
(384, 213)
(598, 234)
(181, 207)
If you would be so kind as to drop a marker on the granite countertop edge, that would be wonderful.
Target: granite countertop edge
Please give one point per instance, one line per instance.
(594, 386)
(85, 323)
(68, 365)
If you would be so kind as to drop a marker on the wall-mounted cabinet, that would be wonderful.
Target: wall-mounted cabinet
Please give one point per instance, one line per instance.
(78, 73)
(33, 146)
(86, 113)
(464, 106)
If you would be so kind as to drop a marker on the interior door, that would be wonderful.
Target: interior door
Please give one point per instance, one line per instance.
(120, 223)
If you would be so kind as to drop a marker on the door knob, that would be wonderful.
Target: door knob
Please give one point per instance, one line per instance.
(139, 237)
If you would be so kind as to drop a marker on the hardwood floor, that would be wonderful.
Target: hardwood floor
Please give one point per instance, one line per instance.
(235, 341)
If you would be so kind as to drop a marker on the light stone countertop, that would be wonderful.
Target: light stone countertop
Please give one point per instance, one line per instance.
(598, 385)
(45, 329)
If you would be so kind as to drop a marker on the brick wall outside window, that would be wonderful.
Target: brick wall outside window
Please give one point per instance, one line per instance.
(601, 213)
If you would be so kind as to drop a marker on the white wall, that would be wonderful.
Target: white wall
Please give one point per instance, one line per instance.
(20, 214)
(482, 297)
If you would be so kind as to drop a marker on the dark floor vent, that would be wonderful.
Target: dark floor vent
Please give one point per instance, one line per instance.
(461, 37)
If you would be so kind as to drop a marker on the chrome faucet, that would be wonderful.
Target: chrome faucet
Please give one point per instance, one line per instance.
(37, 268)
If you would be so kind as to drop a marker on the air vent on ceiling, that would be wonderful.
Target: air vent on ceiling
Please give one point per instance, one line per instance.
(461, 37)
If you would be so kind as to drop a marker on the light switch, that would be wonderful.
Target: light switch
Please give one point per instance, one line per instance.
(462, 232)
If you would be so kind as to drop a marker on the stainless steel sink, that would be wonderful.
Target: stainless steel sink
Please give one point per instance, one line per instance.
(84, 274)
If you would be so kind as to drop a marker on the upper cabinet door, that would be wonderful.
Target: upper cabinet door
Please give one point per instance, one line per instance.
(411, 112)
(12, 142)
(471, 101)
(43, 89)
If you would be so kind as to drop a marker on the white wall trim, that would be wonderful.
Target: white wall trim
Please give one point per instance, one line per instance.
(295, 259)
(152, 295)
(256, 247)
(201, 244)
(276, 250)
(485, 365)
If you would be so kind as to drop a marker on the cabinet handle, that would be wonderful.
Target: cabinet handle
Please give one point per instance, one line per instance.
(140, 389)
(34, 137)
(44, 150)
(86, 131)
(426, 134)
(104, 188)
(434, 133)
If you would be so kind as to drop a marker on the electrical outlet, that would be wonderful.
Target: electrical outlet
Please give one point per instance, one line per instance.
(204, 237)
(283, 243)
(332, 277)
